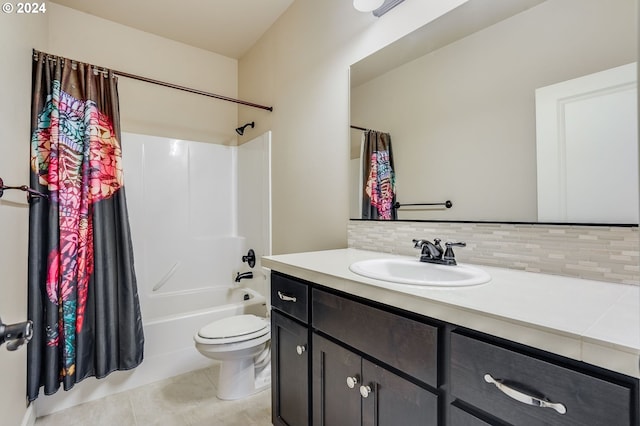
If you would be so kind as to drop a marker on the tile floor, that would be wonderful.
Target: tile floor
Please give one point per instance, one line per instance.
(185, 400)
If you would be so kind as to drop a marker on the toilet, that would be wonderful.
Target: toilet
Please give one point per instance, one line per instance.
(242, 344)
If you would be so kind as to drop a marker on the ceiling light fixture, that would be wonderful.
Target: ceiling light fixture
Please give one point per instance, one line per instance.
(367, 5)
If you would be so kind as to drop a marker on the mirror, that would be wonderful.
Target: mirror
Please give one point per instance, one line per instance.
(458, 97)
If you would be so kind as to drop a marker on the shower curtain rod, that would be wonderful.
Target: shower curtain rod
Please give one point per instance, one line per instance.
(165, 84)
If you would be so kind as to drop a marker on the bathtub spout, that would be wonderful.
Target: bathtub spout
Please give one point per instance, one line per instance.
(244, 275)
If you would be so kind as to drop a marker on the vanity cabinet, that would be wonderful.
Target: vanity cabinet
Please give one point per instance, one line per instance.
(289, 352)
(339, 359)
(370, 366)
(351, 390)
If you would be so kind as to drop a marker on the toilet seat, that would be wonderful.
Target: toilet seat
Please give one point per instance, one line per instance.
(233, 329)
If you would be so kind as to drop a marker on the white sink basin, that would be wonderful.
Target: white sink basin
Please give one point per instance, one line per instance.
(414, 272)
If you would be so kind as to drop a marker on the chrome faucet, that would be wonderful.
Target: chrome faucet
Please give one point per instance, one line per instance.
(243, 275)
(429, 250)
(433, 252)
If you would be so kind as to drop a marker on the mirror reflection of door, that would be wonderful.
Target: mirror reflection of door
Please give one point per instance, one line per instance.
(587, 148)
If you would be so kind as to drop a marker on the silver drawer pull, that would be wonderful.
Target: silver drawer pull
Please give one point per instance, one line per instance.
(285, 297)
(300, 349)
(523, 397)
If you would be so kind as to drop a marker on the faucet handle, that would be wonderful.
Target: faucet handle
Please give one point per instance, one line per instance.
(250, 258)
(449, 258)
(458, 244)
(418, 243)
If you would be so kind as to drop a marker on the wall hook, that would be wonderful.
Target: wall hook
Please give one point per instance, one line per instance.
(31, 193)
(15, 335)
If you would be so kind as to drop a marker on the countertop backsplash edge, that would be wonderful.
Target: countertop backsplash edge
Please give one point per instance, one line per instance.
(602, 253)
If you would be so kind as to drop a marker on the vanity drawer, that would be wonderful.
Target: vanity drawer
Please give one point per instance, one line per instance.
(290, 296)
(402, 343)
(459, 417)
(588, 400)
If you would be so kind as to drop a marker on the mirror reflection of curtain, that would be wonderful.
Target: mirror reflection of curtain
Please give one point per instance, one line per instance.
(82, 289)
(378, 192)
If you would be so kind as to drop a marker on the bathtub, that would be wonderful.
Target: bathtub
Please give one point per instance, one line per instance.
(169, 325)
(169, 306)
(168, 328)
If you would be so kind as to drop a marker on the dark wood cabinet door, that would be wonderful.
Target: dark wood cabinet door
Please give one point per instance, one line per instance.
(392, 400)
(290, 372)
(334, 402)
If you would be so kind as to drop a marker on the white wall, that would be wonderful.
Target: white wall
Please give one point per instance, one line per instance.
(181, 197)
(254, 206)
(18, 35)
(147, 108)
(301, 68)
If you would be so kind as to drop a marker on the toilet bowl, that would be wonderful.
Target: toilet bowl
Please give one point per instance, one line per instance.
(242, 344)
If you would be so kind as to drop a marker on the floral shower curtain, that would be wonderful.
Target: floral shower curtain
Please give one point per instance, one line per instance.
(83, 296)
(379, 193)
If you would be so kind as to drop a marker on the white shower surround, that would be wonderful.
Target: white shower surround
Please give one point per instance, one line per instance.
(194, 210)
(182, 201)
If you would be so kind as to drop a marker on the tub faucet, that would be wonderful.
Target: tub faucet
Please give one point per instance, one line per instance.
(243, 275)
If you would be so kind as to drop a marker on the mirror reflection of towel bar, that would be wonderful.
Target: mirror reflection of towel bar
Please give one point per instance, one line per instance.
(448, 204)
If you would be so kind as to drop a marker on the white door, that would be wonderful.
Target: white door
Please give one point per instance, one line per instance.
(587, 148)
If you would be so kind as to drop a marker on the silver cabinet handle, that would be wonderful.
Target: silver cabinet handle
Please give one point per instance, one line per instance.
(523, 397)
(365, 391)
(300, 349)
(286, 298)
(352, 382)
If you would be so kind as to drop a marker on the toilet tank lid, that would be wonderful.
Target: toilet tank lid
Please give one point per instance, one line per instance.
(234, 326)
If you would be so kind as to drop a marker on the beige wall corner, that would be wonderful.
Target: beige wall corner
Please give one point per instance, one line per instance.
(301, 67)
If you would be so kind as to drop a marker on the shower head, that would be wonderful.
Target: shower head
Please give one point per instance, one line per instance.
(240, 130)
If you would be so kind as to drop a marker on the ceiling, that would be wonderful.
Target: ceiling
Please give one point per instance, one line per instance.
(460, 22)
(227, 27)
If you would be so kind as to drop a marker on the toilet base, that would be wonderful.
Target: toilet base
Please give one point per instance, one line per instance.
(241, 378)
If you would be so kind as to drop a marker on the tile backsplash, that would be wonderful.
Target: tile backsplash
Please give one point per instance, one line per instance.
(603, 253)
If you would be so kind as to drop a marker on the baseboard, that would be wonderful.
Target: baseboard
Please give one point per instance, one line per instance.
(29, 418)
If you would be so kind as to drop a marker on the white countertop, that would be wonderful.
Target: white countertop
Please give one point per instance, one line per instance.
(592, 321)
